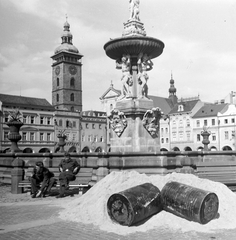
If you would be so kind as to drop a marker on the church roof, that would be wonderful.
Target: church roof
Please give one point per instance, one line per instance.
(27, 102)
(187, 106)
(163, 103)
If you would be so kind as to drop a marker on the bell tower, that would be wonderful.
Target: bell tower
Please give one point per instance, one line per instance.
(66, 74)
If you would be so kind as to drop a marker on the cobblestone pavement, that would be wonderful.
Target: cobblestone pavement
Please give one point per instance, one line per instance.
(24, 218)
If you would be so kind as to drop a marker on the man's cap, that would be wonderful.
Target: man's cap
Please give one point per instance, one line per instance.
(39, 164)
(66, 154)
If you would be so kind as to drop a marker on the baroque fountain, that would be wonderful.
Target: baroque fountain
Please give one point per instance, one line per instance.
(134, 120)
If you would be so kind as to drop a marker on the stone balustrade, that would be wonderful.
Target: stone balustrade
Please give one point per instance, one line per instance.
(218, 165)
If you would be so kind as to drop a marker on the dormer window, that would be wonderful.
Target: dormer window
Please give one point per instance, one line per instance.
(180, 108)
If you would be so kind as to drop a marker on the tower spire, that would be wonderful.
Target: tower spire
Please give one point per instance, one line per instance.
(172, 90)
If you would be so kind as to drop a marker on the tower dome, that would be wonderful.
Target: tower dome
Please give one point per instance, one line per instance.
(66, 44)
(172, 89)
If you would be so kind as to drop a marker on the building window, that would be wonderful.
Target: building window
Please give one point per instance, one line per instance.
(72, 82)
(100, 126)
(188, 136)
(226, 121)
(6, 118)
(95, 138)
(198, 137)
(226, 135)
(31, 136)
(232, 120)
(24, 119)
(82, 138)
(73, 137)
(166, 130)
(188, 123)
(32, 119)
(205, 122)
(213, 122)
(162, 130)
(41, 137)
(213, 137)
(48, 120)
(72, 97)
(57, 81)
(24, 136)
(60, 123)
(89, 138)
(167, 140)
(5, 136)
(72, 109)
(93, 126)
(68, 124)
(74, 124)
(181, 136)
(101, 139)
(41, 120)
(87, 125)
(57, 97)
(174, 136)
(233, 134)
(162, 140)
(48, 137)
(198, 123)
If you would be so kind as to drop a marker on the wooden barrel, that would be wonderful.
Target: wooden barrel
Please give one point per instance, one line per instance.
(135, 204)
(191, 203)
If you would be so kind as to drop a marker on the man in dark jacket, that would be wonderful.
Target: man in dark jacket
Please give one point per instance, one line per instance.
(42, 175)
(68, 169)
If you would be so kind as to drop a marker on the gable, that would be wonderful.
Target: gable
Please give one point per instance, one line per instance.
(111, 94)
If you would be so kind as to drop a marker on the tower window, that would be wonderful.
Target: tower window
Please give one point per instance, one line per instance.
(72, 82)
(72, 97)
(57, 81)
(72, 109)
(57, 97)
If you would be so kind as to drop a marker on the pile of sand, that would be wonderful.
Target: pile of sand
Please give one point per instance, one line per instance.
(92, 206)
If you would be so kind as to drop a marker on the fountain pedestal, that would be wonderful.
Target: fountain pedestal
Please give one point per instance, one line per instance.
(135, 137)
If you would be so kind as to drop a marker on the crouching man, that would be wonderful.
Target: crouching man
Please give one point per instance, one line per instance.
(68, 169)
(42, 175)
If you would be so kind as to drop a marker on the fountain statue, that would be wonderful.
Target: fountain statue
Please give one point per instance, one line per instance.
(133, 53)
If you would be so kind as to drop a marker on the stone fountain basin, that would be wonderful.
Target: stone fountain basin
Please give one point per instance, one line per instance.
(133, 46)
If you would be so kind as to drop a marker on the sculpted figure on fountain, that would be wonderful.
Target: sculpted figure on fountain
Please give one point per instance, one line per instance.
(144, 64)
(125, 65)
(134, 9)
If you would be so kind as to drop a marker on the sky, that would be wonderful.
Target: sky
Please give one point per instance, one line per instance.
(199, 38)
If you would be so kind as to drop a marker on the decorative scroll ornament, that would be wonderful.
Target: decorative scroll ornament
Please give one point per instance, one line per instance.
(151, 121)
(118, 121)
